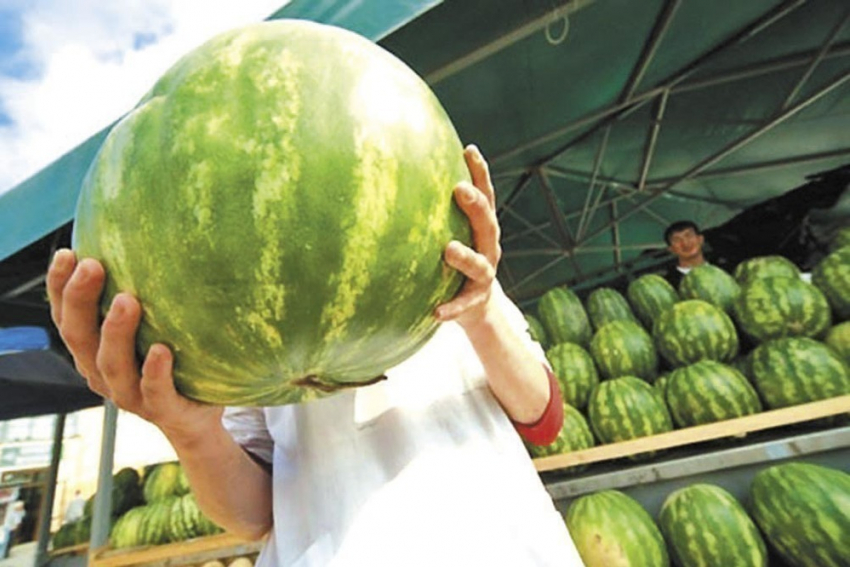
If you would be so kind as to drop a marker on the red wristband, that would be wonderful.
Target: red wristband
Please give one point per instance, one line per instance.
(546, 429)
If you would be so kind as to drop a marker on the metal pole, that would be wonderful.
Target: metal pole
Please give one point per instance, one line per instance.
(103, 499)
(43, 537)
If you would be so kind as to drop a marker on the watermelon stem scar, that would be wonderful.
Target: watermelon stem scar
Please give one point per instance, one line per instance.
(314, 382)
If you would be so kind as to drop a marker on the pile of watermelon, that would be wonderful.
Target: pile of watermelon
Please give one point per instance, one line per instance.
(795, 512)
(154, 508)
(721, 346)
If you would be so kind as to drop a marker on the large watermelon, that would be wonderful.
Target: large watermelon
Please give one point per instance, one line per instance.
(624, 348)
(563, 316)
(765, 267)
(611, 529)
(704, 525)
(649, 295)
(709, 391)
(774, 307)
(695, 330)
(838, 339)
(605, 304)
(832, 277)
(627, 408)
(164, 481)
(840, 238)
(793, 371)
(710, 284)
(575, 371)
(804, 512)
(575, 435)
(279, 202)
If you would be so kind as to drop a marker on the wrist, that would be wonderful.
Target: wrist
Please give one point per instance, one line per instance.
(191, 436)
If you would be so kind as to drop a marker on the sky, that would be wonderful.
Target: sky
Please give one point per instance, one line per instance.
(69, 68)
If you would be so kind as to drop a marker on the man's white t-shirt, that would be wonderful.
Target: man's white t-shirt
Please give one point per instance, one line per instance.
(423, 468)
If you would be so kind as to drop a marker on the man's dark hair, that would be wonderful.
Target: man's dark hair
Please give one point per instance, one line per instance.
(679, 226)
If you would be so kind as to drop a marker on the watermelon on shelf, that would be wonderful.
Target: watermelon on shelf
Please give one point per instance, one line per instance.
(536, 330)
(627, 408)
(564, 317)
(802, 509)
(832, 277)
(704, 525)
(624, 348)
(695, 330)
(840, 239)
(610, 528)
(308, 177)
(711, 284)
(765, 267)
(709, 391)
(649, 295)
(797, 370)
(575, 435)
(775, 307)
(605, 304)
(575, 371)
(838, 339)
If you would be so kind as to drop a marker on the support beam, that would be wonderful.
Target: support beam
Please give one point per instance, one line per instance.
(47, 501)
(652, 139)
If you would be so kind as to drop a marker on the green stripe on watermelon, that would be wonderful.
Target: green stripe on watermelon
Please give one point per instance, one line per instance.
(563, 316)
(709, 391)
(536, 330)
(765, 267)
(307, 268)
(575, 371)
(624, 348)
(695, 330)
(710, 284)
(795, 370)
(704, 525)
(611, 529)
(832, 277)
(775, 307)
(649, 295)
(802, 509)
(605, 304)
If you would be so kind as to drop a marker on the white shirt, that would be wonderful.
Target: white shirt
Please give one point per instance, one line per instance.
(423, 468)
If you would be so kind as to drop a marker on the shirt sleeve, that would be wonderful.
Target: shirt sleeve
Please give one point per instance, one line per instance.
(248, 428)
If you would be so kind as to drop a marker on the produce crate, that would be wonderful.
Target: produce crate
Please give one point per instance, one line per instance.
(731, 428)
(191, 552)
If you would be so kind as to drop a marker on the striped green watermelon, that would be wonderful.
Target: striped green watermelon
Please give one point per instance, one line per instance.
(710, 284)
(832, 277)
(704, 525)
(709, 391)
(563, 316)
(624, 348)
(804, 512)
(627, 408)
(611, 529)
(661, 384)
(154, 525)
(126, 531)
(774, 307)
(840, 239)
(765, 267)
(575, 435)
(605, 304)
(649, 295)
(575, 371)
(164, 481)
(695, 330)
(186, 521)
(838, 339)
(536, 330)
(280, 203)
(795, 370)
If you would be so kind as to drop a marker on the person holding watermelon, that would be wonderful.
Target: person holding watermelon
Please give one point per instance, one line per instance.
(424, 468)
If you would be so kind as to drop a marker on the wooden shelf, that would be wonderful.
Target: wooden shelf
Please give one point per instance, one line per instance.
(687, 436)
(197, 550)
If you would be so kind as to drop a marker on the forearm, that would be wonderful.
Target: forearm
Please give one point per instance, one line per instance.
(515, 375)
(231, 488)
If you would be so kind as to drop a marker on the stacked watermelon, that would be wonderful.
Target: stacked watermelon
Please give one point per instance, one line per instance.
(709, 391)
(576, 372)
(712, 284)
(563, 317)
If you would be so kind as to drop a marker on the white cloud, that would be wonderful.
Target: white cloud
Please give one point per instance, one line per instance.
(89, 62)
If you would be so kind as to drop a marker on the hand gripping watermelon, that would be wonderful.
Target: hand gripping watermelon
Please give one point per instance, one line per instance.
(279, 203)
